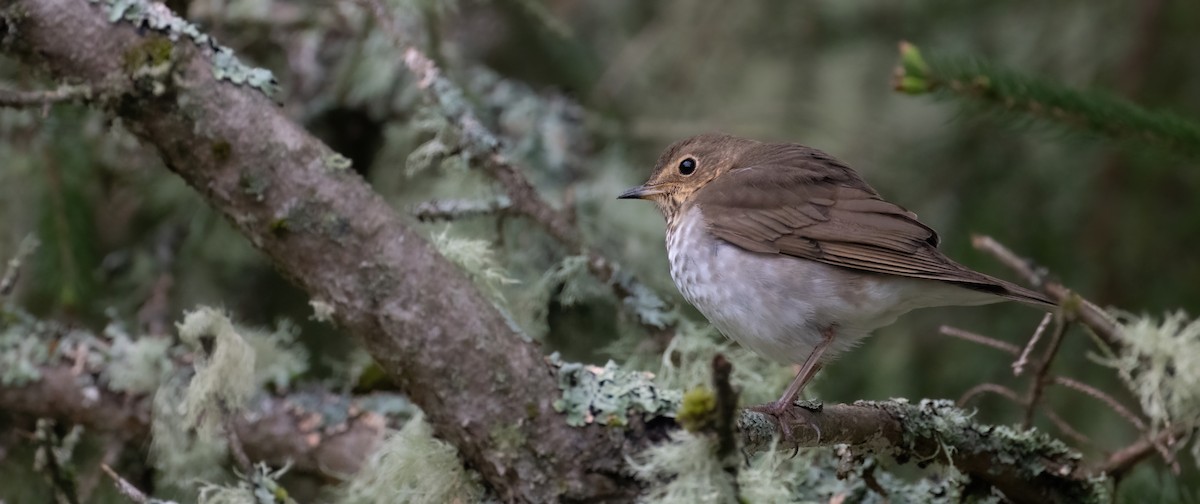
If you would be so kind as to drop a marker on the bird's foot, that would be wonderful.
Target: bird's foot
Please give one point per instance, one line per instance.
(789, 415)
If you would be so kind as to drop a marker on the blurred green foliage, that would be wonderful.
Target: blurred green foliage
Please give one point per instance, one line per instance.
(585, 93)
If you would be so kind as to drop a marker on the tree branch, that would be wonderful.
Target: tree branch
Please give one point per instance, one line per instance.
(325, 229)
(1025, 466)
(1088, 313)
(330, 442)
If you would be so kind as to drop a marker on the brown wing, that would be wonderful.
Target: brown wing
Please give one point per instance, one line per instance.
(789, 199)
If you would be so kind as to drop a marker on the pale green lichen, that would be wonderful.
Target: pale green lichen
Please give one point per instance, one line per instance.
(277, 357)
(322, 311)
(138, 365)
(225, 370)
(145, 14)
(687, 362)
(683, 470)
(413, 467)
(606, 395)
(476, 257)
(259, 487)
(182, 457)
(335, 162)
(1159, 360)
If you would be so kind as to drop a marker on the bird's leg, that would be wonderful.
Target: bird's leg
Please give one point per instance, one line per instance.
(779, 409)
(808, 370)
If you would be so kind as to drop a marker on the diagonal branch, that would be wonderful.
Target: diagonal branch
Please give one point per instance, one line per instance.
(325, 229)
(1088, 313)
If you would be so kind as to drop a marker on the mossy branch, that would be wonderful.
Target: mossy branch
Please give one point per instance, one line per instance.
(994, 89)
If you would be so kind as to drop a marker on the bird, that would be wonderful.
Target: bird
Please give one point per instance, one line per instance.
(788, 251)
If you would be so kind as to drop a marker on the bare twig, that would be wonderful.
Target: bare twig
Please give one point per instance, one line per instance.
(1012, 395)
(12, 272)
(1123, 412)
(1098, 394)
(113, 447)
(989, 387)
(1041, 377)
(1088, 313)
(1124, 459)
(1019, 365)
(727, 407)
(124, 487)
(235, 443)
(979, 338)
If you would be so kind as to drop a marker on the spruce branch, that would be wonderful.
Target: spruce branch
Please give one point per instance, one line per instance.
(997, 90)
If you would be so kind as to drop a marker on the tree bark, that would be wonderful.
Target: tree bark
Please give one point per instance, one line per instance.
(456, 356)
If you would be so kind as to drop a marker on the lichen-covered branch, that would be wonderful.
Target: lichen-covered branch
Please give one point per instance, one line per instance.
(324, 228)
(319, 433)
(486, 148)
(1026, 466)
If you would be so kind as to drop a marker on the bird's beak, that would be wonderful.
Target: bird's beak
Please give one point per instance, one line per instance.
(645, 191)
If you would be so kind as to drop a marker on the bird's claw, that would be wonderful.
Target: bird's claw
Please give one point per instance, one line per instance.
(786, 416)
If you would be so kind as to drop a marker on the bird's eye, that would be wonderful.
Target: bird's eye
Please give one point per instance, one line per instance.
(687, 166)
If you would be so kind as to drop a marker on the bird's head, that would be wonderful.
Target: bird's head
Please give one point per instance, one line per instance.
(686, 167)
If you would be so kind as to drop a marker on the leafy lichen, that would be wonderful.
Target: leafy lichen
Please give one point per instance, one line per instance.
(605, 395)
(145, 14)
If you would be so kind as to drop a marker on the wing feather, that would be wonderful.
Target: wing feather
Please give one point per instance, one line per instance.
(793, 200)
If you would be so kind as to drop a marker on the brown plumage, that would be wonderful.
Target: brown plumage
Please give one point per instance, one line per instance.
(788, 251)
(794, 200)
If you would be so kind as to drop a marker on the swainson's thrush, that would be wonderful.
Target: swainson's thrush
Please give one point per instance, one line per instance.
(788, 251)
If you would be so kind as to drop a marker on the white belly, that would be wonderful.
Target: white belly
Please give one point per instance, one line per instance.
(778, 305)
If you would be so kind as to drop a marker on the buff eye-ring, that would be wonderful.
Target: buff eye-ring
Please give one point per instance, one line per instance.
(687, 166)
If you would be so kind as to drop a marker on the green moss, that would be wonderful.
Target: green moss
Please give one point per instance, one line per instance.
(152, 51)
(698, 409)
(221, 150)
(279, 227)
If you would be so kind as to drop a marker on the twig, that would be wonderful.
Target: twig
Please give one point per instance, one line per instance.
(485, 147)
(64, 486)
(727, 405)
(1120, 410)
(444, 210)
(1018, 366)
(1012, 395)
(1041, 377)
(124, 487)
(979, 338)
(64, 93)
(12, 272)
(1087, 312)
(113, 447)
(1125, 458)
(989, 387)
(1103, 397)
(235, 443)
